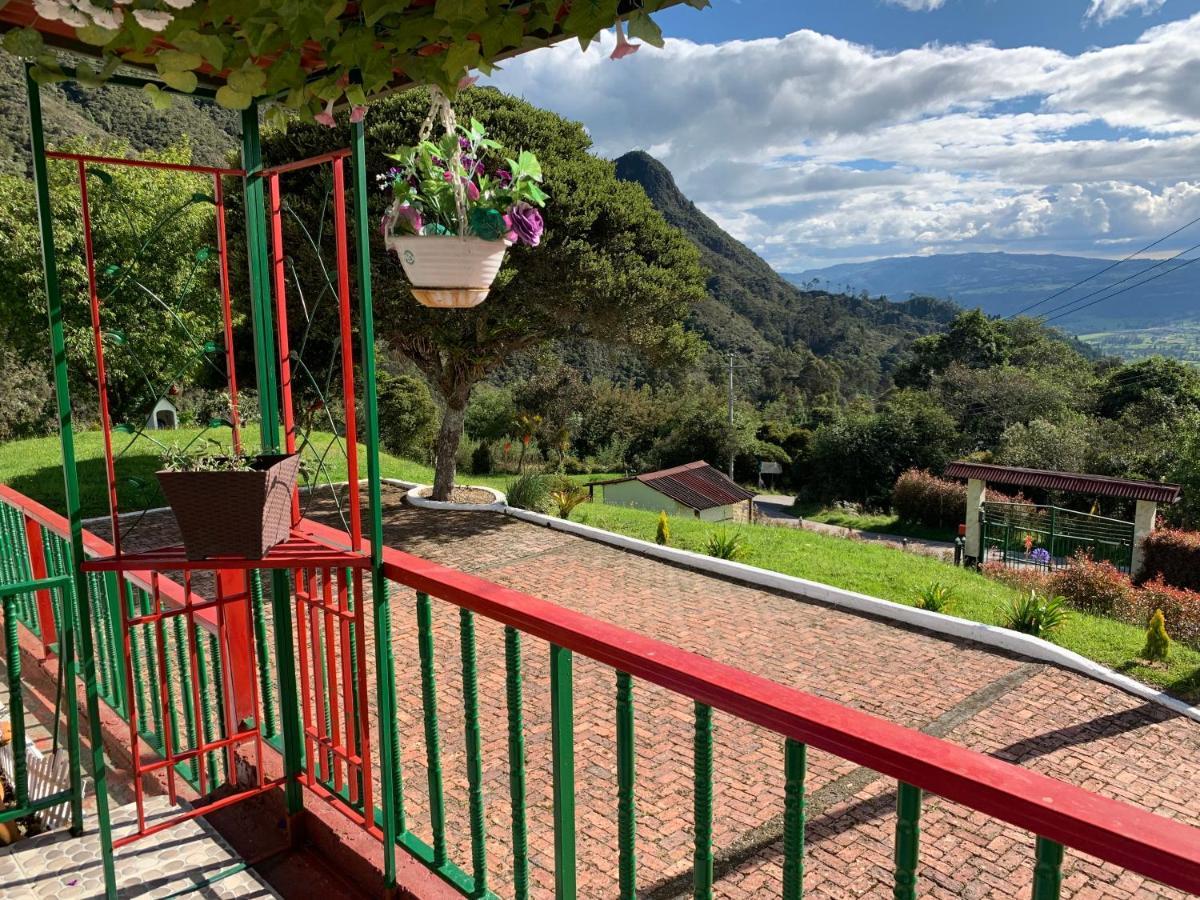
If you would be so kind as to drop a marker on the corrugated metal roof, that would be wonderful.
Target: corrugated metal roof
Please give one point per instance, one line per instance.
(1093, 485)
(696, 485)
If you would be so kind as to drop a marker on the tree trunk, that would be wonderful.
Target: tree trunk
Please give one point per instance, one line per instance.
(446, 448)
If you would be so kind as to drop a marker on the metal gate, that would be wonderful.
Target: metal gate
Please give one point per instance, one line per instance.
(1047, 537)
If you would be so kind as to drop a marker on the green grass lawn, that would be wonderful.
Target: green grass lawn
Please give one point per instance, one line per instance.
(34, 467)
(876, 523)
(898, 576)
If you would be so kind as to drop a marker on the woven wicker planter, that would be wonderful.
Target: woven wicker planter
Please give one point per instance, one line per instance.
(241, 514)
(448, 272)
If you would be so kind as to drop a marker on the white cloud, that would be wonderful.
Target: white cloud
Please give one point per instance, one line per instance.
(1106, 10)
(920, 5)
(812, 148)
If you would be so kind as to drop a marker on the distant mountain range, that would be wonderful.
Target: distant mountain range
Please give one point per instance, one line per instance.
(1004, 283)
(753, 311)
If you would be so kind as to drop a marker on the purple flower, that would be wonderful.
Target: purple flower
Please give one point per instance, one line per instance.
(409, 216)
(1041, 556)
(526, 222)
(464, 143)
(472, 191)
(505, 177)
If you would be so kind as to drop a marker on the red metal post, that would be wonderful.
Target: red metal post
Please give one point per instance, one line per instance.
(226, 311)
(37, 570)
(348, 392)
(275, 211)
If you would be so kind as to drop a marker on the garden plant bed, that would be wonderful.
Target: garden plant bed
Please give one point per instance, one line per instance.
(460, 494)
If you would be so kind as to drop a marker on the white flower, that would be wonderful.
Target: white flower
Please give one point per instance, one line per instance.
(179, 4)
(105, 18)
(152, 19)
(60, 11)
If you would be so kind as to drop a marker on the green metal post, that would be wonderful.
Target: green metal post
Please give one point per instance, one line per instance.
(562, 742)
(68, 657)
(908, 841)
(1047, 871)
(385, 675)
(433, 750)
(16, 714)
(266, 684)
(264, 364)
(702, 775)
(516, 762)
(626, 808)
(474, 750)
(795, 759)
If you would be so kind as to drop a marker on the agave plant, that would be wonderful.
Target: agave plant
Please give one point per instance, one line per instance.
(936, 597)
(725, 544)
(1036, 614)
(566, 499)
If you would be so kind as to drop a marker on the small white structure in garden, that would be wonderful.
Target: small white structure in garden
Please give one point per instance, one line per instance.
(163, 416)
(695, 489)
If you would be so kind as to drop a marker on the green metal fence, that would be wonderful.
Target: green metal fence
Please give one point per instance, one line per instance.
(1023, 534)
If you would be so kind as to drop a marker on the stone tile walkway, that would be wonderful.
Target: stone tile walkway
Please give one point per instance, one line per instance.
(190, 858)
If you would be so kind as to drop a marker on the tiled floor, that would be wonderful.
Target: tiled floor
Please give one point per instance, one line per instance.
(182, 859)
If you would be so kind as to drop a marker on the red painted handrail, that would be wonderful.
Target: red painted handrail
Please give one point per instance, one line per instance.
(1141, 841)
(144, 164)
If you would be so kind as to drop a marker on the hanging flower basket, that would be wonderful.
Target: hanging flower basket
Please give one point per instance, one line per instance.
(457, 207)
(226, 506)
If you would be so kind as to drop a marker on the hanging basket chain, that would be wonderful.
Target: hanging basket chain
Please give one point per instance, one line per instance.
(440, 108)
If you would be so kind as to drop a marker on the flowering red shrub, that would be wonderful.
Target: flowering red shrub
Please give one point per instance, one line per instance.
(1180, 609)
(1095, 587)
(1022, 578)
(1173, 556)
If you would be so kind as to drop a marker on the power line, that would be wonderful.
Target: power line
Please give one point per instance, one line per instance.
(1123, 290)
(1109, 287)
(1108, 268)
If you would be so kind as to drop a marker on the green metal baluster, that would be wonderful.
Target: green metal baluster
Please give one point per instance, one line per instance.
(207, 728)
(150, 652)
(433, 753)
(262, 648)
(562, 741)
(169, 675)
(185, 688)
(1047, 871)
(516, 762)
(214, 649)
(795, 761)
(139, 679)
(626, 810)
(908, 840)
(103, 669)
(703, 776)
(16, 707)
(114, 595)
(466, 630)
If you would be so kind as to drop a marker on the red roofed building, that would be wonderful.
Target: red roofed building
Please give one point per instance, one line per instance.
(695, 489)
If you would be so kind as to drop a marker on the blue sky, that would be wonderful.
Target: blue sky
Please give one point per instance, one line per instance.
(826, 131)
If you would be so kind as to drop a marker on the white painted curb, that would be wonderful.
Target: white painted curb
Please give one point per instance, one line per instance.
(499, 501)
(988, 635)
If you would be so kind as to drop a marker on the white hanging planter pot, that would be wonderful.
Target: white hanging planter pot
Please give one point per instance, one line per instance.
(446, 271)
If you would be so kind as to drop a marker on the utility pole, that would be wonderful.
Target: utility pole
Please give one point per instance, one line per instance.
(732, 366)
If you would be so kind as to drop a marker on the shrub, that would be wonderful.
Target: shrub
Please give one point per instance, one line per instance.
(936, 597)
(1173, 556)
(407, 415)
(1158, 644)
(662, 535)
(1036, 614)
(529, 491)
(1180, 609)
(481, 460)
(1095, 587)
(923, 498)
(565, 500)
(25, 397)
(1023, 578)
(725, 544)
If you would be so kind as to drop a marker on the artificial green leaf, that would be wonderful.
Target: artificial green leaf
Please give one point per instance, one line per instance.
(160, 99)
(277, 118)
(374, 10)
(177, 61)
(95, 35)
(468, 11)
(184, 82)
(23, 42)
(87, 77)
(208, 46)
(334, 10)
(233, 99)
(355, 95)
(248, 80)
(642, 27)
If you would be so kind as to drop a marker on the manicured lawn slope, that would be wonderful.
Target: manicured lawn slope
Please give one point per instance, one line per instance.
(878, 523)
(34, 467)
(898, 576)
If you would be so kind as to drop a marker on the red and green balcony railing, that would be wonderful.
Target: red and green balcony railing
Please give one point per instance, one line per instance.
(1059, 815)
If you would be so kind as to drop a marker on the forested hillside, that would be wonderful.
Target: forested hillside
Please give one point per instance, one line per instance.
(106, 114)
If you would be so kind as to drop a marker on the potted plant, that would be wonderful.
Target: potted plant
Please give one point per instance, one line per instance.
(457, 206)
(229, 505)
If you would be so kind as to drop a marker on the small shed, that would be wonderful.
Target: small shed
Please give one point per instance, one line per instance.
(163, 416)
(695, 489)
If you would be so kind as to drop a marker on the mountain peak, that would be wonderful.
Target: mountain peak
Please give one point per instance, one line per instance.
(655, 178)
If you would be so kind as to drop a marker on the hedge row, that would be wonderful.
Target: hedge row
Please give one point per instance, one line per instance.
(1173, 557)
(1102, 589)
(925, 499)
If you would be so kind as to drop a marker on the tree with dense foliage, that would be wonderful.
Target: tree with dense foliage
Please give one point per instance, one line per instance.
(608, 265)
(158, 306)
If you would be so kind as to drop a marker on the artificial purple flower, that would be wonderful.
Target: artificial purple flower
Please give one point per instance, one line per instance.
(472, 191)
(411, 215)
(505, 177)
(526, 222)
(510, 235)
(464, 143)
